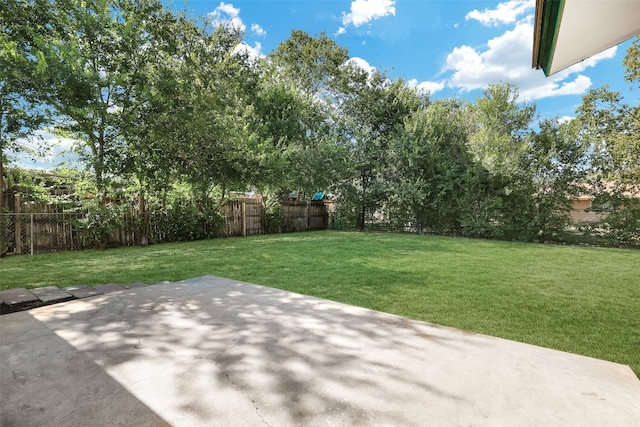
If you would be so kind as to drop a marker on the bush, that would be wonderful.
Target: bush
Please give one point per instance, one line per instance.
(619, 228)
(183, 221)
(273, 220)
(101, 220)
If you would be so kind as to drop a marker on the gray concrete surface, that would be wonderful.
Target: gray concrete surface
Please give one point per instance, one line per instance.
(217, 352)
(17, 296)
(51, 294)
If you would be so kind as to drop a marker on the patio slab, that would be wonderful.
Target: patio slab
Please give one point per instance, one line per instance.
(82, 291)
(109, 287)
(17, 299)
(213, 351)
(17, 296)
(134, 285)
(51, 294)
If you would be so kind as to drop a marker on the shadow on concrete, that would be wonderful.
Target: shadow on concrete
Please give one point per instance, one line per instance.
(287, 355)
(214, 351)
(44, 381)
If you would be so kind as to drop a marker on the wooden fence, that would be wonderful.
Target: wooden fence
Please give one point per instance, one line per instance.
(304, 216)
(244, 217)
(37, 232)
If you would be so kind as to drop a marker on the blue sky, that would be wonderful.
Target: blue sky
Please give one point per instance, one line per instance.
(448, 47)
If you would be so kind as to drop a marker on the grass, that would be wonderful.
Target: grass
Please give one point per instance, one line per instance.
(583, 300)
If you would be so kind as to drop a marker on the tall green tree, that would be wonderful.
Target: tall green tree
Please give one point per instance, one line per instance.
(207, 128)
(99, 52)
(312, 62)
(308, 69)
(503, 124)
(23, 26)
(499, 145)
(556, 163)
(281, 118)
(372, 108)
(147, 159)
(612, 126)
(92, 68)
(430, 167)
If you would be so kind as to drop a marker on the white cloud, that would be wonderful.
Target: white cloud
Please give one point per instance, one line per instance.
(253, 52)
(228, 9)
(113, 108)
(340, 31)
(426, 87)
(565, 119)
(365, 11)
(556, 87)
(226, 14)
(362, 64)
(504, 13)
(508, 57)
(258, 30)
(57, 149)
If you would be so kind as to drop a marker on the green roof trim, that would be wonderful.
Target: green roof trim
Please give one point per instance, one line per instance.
(551, 17)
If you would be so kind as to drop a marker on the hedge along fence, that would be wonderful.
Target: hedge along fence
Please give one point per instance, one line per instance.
(37, 232)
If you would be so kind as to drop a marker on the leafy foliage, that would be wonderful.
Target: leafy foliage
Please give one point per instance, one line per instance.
(156, 101)
(313, 63)
(182, 221)
(631, 62)
(612, 128)
(100, 222)
(373, 108)
(430, 176)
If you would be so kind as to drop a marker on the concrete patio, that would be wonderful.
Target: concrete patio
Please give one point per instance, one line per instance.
(217, 352)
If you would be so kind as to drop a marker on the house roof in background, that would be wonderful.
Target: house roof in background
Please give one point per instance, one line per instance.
(569, 31)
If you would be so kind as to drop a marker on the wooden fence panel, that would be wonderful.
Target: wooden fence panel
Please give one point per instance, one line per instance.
(233, 212)
(254, 218)
(24, 233)
(318, 216)
(294, 216)
(304, 216)
(244, 218)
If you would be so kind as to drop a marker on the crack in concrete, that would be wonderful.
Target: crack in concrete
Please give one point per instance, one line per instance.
(259, 414)
(240, 391)
(121, 311)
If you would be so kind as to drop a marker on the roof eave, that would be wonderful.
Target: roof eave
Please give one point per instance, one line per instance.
(547, 25)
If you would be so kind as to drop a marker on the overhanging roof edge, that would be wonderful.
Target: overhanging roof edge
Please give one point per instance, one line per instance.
(548, 18)
(537, 28)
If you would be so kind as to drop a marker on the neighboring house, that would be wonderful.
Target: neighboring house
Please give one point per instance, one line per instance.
(586, 209)
(582, 210)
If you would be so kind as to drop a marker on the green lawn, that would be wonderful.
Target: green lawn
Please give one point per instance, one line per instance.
(580, 299)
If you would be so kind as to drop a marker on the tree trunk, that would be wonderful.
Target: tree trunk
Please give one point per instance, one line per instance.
(363, 205)
(143, 212)
(2, 191)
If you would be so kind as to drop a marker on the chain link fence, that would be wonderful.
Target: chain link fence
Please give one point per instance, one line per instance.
(32, 233)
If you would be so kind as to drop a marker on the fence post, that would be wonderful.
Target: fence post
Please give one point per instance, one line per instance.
(31, 233)
(243, 212)
(18, 225)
